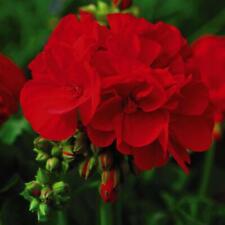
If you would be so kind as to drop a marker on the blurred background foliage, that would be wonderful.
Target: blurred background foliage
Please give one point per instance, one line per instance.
(163, 196)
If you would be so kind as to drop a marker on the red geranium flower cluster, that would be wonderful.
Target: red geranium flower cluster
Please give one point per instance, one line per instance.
(11, 82)
(132, 83)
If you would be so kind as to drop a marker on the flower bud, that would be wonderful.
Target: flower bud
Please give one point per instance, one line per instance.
(52, 164)
(108, 188)
(34, 205)
(80, 146)
(59, 187)
(40, 142)
(46, 193)
(106, 160)
(42, 176)
(41, 156)
(32, 186)
(43, 209)
(68, 153)
(56, 151)
(87, 167)
(217, 131)
(122, 4)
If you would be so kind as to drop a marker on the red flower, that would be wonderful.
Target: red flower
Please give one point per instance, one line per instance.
(11, 82)
(64, 85)
(152, 100)
(209, 52)
(123, 4)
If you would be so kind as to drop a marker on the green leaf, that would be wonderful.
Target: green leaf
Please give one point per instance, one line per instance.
(13, 128)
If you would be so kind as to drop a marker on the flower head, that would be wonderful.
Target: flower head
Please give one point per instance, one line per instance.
(153, 103)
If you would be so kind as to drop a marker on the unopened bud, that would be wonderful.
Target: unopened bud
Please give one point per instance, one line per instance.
(52, 164)
(41, 156)
(106, 160)
(42, 176)
(46, 193)
(217, 131)
(80, 146)
(41, 142)
(43, 209)
(32, 186)
(59, 187)
(56, 151)
(86, 168)
(34, 205)
(108, 188)
(68, 153)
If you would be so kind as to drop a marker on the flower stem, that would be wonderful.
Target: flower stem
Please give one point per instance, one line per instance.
(61, 218)
(105, 211)
(207, 169)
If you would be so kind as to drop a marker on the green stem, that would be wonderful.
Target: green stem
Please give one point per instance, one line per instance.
(207, 170)
(61, 218)
(105, 214)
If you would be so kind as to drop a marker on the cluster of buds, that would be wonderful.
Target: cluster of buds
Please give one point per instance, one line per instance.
(103, 162)
(102, 9)
(49, 191)
(54, 156)
(44, 194)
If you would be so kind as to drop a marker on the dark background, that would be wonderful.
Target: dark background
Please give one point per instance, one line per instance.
(164, 196)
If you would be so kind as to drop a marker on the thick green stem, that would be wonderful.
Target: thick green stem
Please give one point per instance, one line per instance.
(207, 169)
(61, 218)
(105, 214)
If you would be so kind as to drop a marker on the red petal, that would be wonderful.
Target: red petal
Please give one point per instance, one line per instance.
(181, 155)
(140, 128)
(193, 132)
(99, 138)
(49, 96)
(104, 117)
(149, 156)
(195, 99)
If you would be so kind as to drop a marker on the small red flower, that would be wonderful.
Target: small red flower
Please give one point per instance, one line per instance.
(153, 103)
(64, 85)
(123, 4)
(209, 53)
(11, 82)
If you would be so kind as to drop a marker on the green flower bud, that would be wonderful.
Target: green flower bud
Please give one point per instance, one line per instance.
(87, 167)
(59, 187)
(56, 151)
(34, 205)
(31, 186)
(80, 146)
(52, 164)
(42, 176)
(46, 193)
(41, 142)
(43, 209)
(68, 153)
(65, 166)
(41, 156)
(106, 160)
